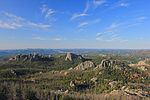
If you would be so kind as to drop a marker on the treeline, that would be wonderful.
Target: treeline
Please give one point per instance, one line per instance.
(18, 92)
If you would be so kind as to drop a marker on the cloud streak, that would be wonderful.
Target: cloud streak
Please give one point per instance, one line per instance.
(98, 3)
(111, 32)
(11, 21)
(82, 24)
(39, 38)
(47, 38)
(109, 37)
(90, 4)
(75, 16)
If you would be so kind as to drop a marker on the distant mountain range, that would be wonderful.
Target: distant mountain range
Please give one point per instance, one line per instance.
(77, 51)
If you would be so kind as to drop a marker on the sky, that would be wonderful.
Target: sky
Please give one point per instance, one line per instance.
(95, 24)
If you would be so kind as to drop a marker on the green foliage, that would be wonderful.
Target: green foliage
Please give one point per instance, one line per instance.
(31, 95)
(36, 80)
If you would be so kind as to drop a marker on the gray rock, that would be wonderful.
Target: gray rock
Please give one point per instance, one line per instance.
(85, 65)
(111, 64)
(94, 79)
(71, 57)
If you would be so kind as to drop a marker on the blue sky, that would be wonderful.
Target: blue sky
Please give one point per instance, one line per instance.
(122, 24)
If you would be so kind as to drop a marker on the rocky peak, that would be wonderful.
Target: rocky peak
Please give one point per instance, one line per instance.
(71, 56)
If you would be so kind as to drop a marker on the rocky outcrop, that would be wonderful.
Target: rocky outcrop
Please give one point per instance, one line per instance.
(71, 57)
(111, 64)
(141, 63)
(30, 57)
(85, 65)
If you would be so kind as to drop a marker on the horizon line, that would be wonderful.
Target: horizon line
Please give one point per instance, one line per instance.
(78, 49)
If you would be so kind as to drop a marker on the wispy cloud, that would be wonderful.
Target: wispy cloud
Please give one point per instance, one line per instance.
(83, 24)
(124, 4)
(83, 13)
(39, 25)
(9, 25)
(11, 21)
(99, 34)
(109, 37)
(114, 26)
(117, 5)
(120, 3)
(90, 4)
(46, 11)
(57, 39)
(98, 3)
(111, 32)
(47, 38)
(95, 21)
(39, 38)
(127, 24)
(141, 18)
(87, 6)
(137, 21)
(74, 16)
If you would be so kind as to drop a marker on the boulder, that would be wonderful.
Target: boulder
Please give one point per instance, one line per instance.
(72, 84)
(94, 79)
(113, 83)
(85, 65)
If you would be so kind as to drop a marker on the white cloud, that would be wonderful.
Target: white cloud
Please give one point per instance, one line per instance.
(99, 34)
(98, 3)
(111, 33)
(47, 12)
(136, 21)
(87, 6)
(121, 3)
(39, 38)
(85, 23)
(127, 24)
(82, 24)
(109, 37)
(74, 16)
(47, 38)
(39, 25)
(9, 25)
(113, 27)
(83, 13)
(43, 9)
(118, 4)
(141, 18)
(11, 21)
(124, 4)
(57, 39)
